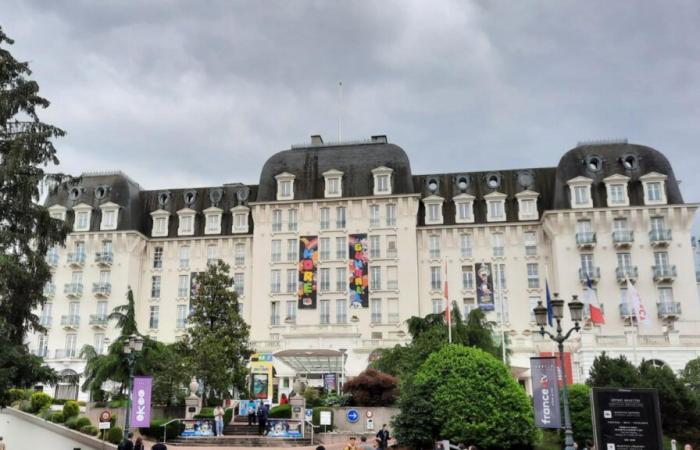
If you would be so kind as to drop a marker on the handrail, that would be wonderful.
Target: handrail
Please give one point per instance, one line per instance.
(165, 430)
(311, 425)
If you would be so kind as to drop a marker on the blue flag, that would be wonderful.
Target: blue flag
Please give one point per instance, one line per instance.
(550, 316)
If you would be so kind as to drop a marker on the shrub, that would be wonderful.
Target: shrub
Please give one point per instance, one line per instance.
(115, 435)
(316, 417)
(337, 400)
(580, 407)
(281, 412)
(114, 404)
(372, 388)
(312, 398)
(155, 431)
(205, 413)
(71, 409)
(228, 415)
(57, 417)
(15, 395)
(46, 414)
(89, 429)
(72, 423)
(25, 406)
(83, 422)
(39, 401)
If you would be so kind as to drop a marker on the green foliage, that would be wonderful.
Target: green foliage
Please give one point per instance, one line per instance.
(580, 407)
(465, 395)
(89, 430)
(72, 422)
(26, 406)
(115, 404)
(83, 421)
(228, 415)
(217, 338)
(115, 435)
(57, 417)
(71, 409)
(155, 431)
(312, 397)
(39, 401)
(334, 399)
(281, 412)
(690, 375)
(316, 417)
(14, 395)
(613, 372)
(372, 388)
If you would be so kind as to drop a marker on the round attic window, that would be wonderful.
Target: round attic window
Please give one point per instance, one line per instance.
(242, 193)
(74, 193)
(433, 185)
(526, 179)
(629, 162)
(594, 163)
(190, 197)
(215, 195)
(163, 198)
(100, 192)
(493, 180)
(462, 183)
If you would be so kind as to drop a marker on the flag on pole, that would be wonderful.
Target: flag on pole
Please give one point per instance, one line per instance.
(638, 307)
(550, 315)
(448, 315)
(596, 312)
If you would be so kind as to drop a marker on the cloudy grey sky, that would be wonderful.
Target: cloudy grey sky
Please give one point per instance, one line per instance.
(201, 93)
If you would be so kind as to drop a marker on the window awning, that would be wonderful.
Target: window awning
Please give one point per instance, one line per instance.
(312, 361)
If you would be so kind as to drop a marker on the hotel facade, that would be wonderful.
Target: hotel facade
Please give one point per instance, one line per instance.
(339, 244)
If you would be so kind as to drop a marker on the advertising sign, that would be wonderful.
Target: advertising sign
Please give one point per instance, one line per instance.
(626, 419)
(545, 392)
(246, 406)
(484, 286)
(329, 381)
(261, 376)
(358, 269)
(141, 402)
(285, 428)
(198, 427)
(325, 418)
(308, 261)
(567, 367)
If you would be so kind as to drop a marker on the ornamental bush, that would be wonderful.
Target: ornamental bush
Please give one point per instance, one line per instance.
(83, 422)
(372, 388)
(72, 423)
(39, 401)
(57, 417)
(281, 412)
(580, 407)
(115, 435)
(71, 409)
(465, 395)
(89, 430)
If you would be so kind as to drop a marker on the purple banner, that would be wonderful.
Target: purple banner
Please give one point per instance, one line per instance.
(545, 392)
(329, 381)
(141, 402)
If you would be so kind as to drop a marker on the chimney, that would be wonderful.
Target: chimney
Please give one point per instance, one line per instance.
(379, 139)
(316, 139)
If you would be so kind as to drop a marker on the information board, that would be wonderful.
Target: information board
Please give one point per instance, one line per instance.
(626, 419)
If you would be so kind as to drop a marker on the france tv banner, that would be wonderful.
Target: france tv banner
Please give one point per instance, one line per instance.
(359, 280)
(308, 262)
(141, 402)
(545, 392)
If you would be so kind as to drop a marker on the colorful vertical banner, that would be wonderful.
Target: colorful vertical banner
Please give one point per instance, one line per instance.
(567, 366)
(308, 262)
(329, 381)
(359, 269)
(484, 286)
(141, 402)
(545, 392)
(261, 376)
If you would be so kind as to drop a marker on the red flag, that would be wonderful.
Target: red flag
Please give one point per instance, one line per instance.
(596, 311)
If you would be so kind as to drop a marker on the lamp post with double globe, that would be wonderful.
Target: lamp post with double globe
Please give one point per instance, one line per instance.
(576, 310)
(132, 345)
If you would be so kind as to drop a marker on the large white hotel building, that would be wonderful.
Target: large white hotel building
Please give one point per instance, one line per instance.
(607, 211)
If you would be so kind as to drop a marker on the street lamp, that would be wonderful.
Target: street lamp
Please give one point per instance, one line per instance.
(132, 345)
(576, 311)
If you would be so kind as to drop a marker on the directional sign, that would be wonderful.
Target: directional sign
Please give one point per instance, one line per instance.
(353, 416)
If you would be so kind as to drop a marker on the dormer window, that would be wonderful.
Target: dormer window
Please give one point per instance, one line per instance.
(160, 223)
(285, 186)
(212, 220)
(495, 207)
(82, 217)
(382, 180)
(654, 184)
(110, 213)
(58, 212)
(186, 222)
(240, 219)
(333, 183)
(580, 188)
(433, 209)
(616, 186)
(527, 205)
(464, 208)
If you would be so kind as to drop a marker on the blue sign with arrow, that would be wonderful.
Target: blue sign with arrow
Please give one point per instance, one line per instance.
(353, 416)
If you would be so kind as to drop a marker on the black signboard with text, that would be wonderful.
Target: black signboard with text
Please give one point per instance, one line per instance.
(626, 419)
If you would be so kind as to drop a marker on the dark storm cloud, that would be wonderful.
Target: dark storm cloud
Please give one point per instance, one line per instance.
(198, 93)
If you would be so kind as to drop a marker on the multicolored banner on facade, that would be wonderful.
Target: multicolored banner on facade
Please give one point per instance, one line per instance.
(261, 376)
(359, 270)
(484, 286)
(308, 262)
(545, 392)
(141, 402)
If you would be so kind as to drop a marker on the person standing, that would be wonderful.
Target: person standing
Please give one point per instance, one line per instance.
(262, 420)
(251, 412)
(383, 438)
(219, 420)
(127, 444)
(138, 445)
(351, 444)
(364, 445)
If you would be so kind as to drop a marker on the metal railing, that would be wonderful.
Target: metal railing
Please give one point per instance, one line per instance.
(585, 238)
(623, 237)
(102, 288)
(49, 289)
(664, 272)
(76, 258)
(73, 289)
(98, 319)
(104, 258)
(668, 309)
(64, 353)
(623, 273)
(626, 310)
(659, 236)
(45, 321)
(70, 321)
(593, 273)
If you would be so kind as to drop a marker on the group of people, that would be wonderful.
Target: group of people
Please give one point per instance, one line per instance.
(130, 444)
(381, 442)
(260, 417)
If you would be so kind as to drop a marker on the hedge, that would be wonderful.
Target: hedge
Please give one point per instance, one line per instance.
(57, 417)
(83, 422)
(115, 435)
(155, 431)
(71, 409)
(15, 395)
(90, 429)
(281, 412)
(72, 423)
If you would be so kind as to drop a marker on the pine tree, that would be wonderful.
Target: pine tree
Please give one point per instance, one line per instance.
(26, 229)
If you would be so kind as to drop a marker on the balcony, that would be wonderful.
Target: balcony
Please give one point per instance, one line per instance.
(592, 273)
(104, 258)
(45, 321)
(623, 273)
(626, 311)
(73, 290)
(49, 290)
(71, 322)
(585, 240)
(668, 310)
(623, 239)
(98, 320)
(664, 273)
(102, 289)
(66, 353)
(660, 238)
(76, 259)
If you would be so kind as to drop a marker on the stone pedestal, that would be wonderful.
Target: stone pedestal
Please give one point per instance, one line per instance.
(298, 404)
(193, 404)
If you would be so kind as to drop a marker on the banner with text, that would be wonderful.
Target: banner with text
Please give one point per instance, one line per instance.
(359, 282)
(545, 392)
(329, 381)
(141, 402)
(484, 287)
(308, 262)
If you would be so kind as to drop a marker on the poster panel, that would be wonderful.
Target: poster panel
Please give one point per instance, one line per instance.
(568, 367)
(484, 286)
(329, 381)
(246, 406)
(198, 427)
(359, 270)
(284, 428)
(308, 263)
(141, 402)
(261, 376)
(545, 392)
(626, 419)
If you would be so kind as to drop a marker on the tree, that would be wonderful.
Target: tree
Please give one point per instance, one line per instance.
(613, 372)
(580, 407)
(217, 337)
(690, 375)
(26, 229)
(372, 388)
(465, 395)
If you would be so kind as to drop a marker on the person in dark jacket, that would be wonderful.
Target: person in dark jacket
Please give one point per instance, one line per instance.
(383, 438)
(262, 419)
(127, 444)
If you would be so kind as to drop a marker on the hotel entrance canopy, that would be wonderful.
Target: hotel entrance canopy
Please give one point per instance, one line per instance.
(314, 361)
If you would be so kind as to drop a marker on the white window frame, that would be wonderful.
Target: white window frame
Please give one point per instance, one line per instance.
(185, 213)
(58, 212)
(382, 186)
(495, 198)
(240, 219)
(292, 219)
(212, 214)
(374, 219)
(82, 208)
(282, 178)
(107, 208)
(614, 182)
(524, 198)
(160, 214)
(465, 201)
(333, 179)
(580, 182)
(433, 203)
(654, 177)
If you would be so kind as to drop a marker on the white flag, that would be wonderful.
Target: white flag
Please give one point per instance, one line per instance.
(638, 307)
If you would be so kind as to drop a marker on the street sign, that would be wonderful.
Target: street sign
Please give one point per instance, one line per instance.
(353, 416)
(325, 418)
(308, 414)
(370, 424)
(105, 419)
(369, 414)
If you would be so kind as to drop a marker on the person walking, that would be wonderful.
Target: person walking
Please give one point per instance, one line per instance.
(383, 438)
(138, 445)
(262, 420)
(219, 420)
(251, 413)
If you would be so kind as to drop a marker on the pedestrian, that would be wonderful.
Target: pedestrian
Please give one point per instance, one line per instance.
(589, 445)
(262, 420)
(219, 420)
(159, 445)
(351, 444)
(127, 444)
(251, 413)
(364, 445)
(383, 437)
(138, 445)
(2, 444)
